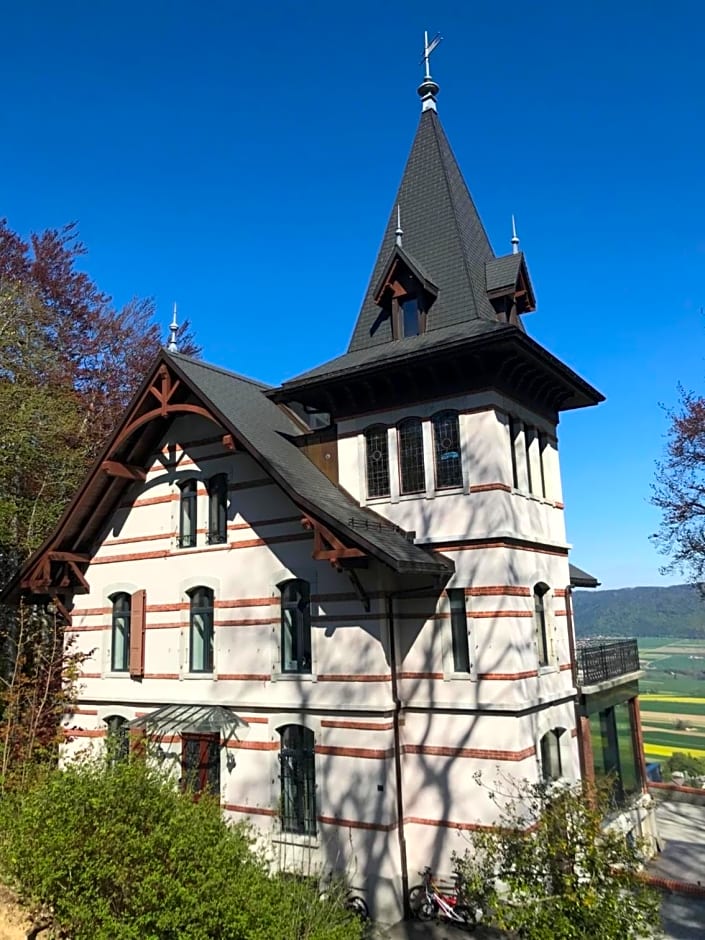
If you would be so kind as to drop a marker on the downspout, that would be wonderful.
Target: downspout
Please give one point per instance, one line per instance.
(396, 720)
(586, 773)
(397, 756)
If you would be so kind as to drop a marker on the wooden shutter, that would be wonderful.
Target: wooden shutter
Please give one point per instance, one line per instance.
(137, 627)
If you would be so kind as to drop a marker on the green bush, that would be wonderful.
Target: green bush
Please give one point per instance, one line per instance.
(553, 871)
(118, 854)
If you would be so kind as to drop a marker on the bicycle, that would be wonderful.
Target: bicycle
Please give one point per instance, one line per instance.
(429, 900)
(351, 902)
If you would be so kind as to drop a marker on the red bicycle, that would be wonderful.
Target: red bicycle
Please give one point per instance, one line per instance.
(431, 900)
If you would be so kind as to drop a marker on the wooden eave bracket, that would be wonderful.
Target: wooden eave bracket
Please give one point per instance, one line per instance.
(327, 546)
(66, 577)
(113, 468)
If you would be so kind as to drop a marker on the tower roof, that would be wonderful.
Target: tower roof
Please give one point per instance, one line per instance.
(442, 231)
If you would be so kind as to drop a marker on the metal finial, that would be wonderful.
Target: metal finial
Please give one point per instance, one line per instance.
(172, 345)
(428, 89)
(399, 232)
(515, 238)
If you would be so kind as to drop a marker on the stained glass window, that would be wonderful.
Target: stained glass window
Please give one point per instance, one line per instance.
(411, 460)
(446, 449)
(377, 459)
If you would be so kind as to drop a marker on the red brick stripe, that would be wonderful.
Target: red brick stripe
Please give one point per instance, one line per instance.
(486, 487)
(352, 677)
(420, 675)
(358, 725)
(249, 676)
(253, 745)
(447, 824)
(478, 753)
(364, 752)
(356, 824)
(508, 676)
(249, 810)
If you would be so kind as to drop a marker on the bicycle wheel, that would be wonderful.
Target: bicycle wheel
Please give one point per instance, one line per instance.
(358, 906)
(469, 915)
(420, 905)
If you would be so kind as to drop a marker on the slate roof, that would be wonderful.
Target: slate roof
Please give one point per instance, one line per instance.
(442, 232)
(502, 272)
(581, 579)
(268, 432)
(401, 348)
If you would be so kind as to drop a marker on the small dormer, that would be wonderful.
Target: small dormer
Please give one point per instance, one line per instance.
(405, 295)
(509, 287)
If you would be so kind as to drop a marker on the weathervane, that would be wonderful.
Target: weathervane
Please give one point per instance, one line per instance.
(428, 89)
(515, 238)
(172, 345)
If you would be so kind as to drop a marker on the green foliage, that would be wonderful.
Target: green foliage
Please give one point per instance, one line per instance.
(560, 874)
(675, 611)
(118, 854)
(683, 763)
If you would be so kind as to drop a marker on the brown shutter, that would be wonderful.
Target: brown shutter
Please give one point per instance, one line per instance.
(137, 626)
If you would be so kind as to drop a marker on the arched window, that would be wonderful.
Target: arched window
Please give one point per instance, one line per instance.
(551, 757)
(377, 461)
(446, 450)
(117, 742)
(298, 780)
(188, 520)
(411, 462)
(540, 622)
(120, 646)
(218, 509)
(296, 626)
(201, 630)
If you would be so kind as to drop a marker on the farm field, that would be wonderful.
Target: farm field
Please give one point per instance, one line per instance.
(672, 698)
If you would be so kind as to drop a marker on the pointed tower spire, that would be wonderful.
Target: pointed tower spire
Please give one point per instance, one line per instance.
(172, 345)
(428, 89)
(515, 238)
(399, 232)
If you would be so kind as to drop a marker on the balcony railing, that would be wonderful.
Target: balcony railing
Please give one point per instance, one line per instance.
(606, 660)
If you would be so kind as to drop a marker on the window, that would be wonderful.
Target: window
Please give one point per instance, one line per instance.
(298, 780)
(201, 630)
(118, 741)
(411, 462)
(377, 460)
(514, 432)
(218, 509)
(120, 656)
(528, 444)
(410, 317)
(189, 517)
(540, 592)
(446, 450)
(459, 630)
(551, 759)
(543, 444)
(200, 763)
(296, 626)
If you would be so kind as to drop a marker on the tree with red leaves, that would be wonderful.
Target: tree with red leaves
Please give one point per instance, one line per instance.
(679, 490)
(69, 364)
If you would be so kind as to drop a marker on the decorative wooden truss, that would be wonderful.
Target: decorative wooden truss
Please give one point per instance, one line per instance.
(327, 546)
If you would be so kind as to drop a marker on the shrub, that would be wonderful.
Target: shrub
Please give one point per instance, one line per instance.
(118, 854)
(561, 874)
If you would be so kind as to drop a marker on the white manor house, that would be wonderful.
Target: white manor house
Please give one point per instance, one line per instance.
(335, 601)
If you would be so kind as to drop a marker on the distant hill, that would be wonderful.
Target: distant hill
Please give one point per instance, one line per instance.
(677, 611)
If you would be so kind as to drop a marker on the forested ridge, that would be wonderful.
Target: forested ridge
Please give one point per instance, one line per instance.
(677, 611)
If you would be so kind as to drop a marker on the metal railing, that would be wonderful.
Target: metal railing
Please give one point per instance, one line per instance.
(606, 660)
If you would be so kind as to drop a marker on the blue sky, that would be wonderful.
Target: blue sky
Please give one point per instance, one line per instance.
(227, 156)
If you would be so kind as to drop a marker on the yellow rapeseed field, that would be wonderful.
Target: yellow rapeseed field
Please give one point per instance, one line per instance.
(679, 699)
(658, 750)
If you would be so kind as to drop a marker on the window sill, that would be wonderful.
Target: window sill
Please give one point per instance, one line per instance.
(448, 491)
(294, 677)
(199, 675)
(549, 670)
(293, 838)
(460, 677)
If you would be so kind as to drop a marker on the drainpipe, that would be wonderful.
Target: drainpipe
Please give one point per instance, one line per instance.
(587, 773)
(397, 736)
(397, 757)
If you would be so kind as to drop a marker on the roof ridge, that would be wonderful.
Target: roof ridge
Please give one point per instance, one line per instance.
(220, 370)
